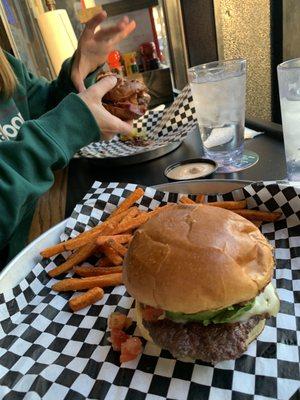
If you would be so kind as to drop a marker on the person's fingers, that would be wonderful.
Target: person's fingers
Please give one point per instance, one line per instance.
(127, 25)
(123, 127)
(78, 81)
(108, 33)
(116, 124)
(92, 24)
(125, 19)
(124, 32)
(129, 122)
(80, 86)
(130, 27)
(117, 32)
(104, 85)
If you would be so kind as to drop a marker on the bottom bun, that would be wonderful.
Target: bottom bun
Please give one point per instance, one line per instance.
(215, 343)
(139, 321)
(256, 331)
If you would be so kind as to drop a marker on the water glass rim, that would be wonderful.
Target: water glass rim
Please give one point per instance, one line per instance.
(288, 64)
(216, 63)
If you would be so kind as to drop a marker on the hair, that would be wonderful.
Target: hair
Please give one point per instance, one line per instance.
(8, 79)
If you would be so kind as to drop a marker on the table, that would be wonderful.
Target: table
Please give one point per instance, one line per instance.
(271, 165)
(72, 183)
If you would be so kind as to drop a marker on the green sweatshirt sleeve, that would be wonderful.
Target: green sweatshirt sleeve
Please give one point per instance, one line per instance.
(42, 146)
(43, 95)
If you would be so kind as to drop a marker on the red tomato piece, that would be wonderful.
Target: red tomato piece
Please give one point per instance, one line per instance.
(128, 322)
(151, 313)
(130, 349)
(119, 321)
(117, 337)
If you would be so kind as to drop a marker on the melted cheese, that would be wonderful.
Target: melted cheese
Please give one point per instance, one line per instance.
(266, 302)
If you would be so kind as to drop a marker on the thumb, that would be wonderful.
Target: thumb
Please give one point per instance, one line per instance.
(80, 86)
(103, 86)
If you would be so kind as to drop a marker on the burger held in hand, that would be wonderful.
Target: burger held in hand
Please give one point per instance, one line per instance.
(128, 100)
(201, 278)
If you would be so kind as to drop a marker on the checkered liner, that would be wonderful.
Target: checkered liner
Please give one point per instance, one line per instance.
(47, 352)
(162, 126)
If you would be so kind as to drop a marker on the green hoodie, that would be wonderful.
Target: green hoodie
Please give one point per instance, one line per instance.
(41, 127)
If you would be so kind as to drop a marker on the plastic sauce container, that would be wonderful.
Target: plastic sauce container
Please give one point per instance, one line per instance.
(190, 169)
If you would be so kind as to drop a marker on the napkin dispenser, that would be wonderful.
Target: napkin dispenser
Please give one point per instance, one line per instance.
(58, 35)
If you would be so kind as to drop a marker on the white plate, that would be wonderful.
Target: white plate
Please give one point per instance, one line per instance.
(23, 263)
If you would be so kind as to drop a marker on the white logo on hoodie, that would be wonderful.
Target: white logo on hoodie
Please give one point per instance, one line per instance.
(11, 130)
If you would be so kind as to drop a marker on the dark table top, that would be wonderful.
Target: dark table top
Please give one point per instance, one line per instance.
(83, 172)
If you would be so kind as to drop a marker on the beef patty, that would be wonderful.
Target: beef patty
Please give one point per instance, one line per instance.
(212, 343)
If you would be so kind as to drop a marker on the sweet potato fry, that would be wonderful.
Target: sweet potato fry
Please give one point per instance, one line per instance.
(106, 228)
(111, 254)
(134, 211)
(103, 262)
(122, 239)
(186, 200)
(157, 210)
(129, 201)
(86, 299)
(257, 223)
(51, 251)
(96, 271)
(117, 246)
(256, 215)
(80, 255)
(229, 205)
(79, 240)
(200, 198)
(134, 223)
(72, 284)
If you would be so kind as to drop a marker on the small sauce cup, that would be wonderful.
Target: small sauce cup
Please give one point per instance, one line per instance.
(190, 169)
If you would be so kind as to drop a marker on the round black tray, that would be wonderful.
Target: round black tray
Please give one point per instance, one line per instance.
(146, 155)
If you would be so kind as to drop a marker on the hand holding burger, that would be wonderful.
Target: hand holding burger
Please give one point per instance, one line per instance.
(128, 99)
(93, 97)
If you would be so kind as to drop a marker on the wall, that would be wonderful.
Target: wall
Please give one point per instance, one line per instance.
(291, 29)
(243, 31)
(200, 31)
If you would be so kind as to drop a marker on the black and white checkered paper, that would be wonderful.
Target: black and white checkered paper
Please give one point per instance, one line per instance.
(162, 126)
(47, 352)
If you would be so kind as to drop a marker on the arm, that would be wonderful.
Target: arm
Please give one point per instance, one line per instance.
(43, 95)
(81, 70)
(47, 144)
(76, 73)
(27, 164)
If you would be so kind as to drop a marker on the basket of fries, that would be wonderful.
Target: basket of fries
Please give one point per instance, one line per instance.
(57, 317)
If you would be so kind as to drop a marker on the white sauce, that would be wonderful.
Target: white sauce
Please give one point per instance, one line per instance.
(265, 302)
(190, 171)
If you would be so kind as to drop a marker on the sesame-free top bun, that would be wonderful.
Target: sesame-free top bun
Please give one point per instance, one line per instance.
(195, 258)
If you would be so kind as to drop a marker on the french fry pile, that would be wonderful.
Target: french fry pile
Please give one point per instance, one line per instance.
(110, 241)
(257, 217)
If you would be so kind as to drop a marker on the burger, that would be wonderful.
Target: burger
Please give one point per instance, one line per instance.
(201, 279)
(128, 100)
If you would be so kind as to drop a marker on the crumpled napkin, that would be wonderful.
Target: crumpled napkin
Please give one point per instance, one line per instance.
(225, 134)
(250, 133)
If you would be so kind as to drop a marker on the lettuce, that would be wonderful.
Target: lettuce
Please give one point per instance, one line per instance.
(225, 315)
(134, 134)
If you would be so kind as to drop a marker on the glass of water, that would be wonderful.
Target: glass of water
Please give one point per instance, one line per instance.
(289, 91)
(219, 92)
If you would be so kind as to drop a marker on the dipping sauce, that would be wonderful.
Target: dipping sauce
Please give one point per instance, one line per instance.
(190, 171)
